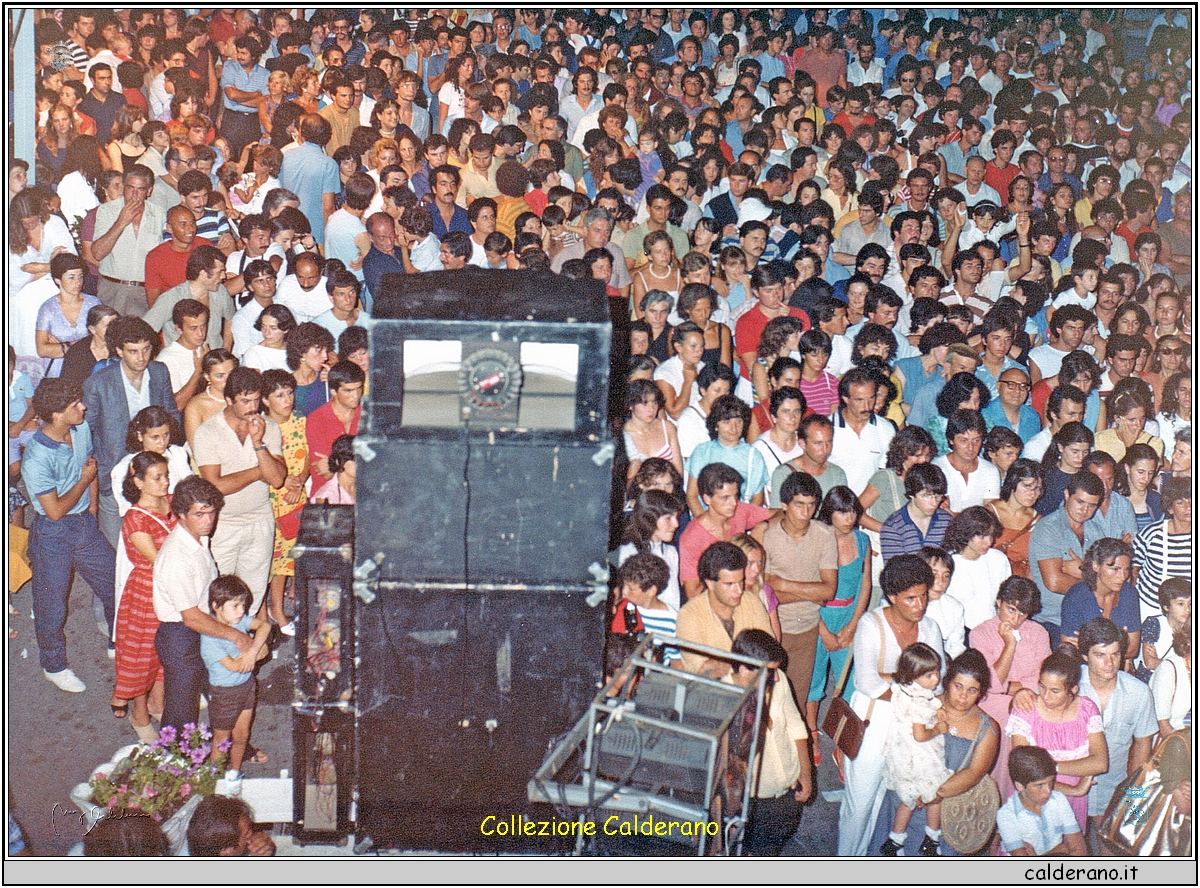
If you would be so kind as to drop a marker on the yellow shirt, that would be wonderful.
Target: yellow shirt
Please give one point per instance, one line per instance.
(698, 623)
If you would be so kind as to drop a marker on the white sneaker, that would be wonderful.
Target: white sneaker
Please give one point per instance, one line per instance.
(112, 653)
(233, 783)
(66, 680)
(289, 629)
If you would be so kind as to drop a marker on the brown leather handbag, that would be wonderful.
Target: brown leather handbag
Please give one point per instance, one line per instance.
(841, 722)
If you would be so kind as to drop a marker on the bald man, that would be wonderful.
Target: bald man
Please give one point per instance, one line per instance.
(166, 264)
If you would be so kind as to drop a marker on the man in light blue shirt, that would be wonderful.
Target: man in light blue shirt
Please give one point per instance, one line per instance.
(242, 84)
(311, 173)
(1058, 544)
(1126, 706)
(1115, 514)
(60, 473)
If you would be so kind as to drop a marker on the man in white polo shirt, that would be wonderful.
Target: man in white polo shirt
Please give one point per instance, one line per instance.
(860, 438)
(183, 571)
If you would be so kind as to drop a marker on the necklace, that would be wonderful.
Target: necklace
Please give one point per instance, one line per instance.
(957, 719)
(208, 391)
(650, 271)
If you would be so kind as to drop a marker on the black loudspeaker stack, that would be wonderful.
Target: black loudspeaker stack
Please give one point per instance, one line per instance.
(480, 531)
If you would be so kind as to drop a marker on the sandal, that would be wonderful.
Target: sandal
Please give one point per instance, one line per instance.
(255, 756)
(121, 711)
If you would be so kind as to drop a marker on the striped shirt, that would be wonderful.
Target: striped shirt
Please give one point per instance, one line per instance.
(1158, 556)
(900, 536)
(661, 622)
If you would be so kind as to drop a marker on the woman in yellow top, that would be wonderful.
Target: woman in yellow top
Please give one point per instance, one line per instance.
(1127, 426)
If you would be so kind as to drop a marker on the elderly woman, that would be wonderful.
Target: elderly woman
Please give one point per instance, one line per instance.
(1105, 591)
(972, 742)
(1067, 724)
(878, 642)
(62, 320)
(1014, 647)
(979, 569)
(83, 356)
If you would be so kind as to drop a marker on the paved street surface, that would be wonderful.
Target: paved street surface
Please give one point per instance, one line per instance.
(56, 738)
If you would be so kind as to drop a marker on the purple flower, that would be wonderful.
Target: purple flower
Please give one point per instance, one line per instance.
(168, 734)
(189, 727)
(225, 745)
(185, 790)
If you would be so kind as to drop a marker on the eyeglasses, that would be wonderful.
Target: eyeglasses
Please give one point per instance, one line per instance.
(908, 80)
(1020, 386)
(1171, 351)
(656, 17)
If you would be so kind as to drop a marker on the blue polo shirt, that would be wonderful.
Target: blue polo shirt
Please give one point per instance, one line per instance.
(1052, 538)
(50, 465)
(1027, 426)
(254, 80)
(311, 173)
(1079, 605)
(1128, 714)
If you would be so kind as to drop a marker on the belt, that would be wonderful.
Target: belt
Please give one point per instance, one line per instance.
(113, 280)
(243, 113)
(839, 602)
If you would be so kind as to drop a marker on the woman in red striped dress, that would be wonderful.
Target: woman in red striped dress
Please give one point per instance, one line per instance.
(146, 525)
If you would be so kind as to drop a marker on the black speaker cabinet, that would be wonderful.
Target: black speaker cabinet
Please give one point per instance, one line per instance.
(464, 692)
(484, 471)
(484, 452)
(496, 510)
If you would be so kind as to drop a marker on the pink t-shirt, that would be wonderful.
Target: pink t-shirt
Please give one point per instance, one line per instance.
(696, 538)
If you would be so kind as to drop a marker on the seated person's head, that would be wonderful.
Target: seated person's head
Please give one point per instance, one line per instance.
(220, 827)
(126, 832)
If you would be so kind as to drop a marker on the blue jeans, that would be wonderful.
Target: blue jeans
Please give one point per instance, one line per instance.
(184, 674)
(55, 548)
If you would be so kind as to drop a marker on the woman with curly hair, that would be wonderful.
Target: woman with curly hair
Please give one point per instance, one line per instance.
(308, 347)
(1105, 591)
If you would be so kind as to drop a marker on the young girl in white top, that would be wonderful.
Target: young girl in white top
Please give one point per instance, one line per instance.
(915, 755)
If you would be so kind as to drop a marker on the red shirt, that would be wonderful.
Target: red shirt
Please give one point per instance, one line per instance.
(166, 268)
(322, 428)
(696, 538)
(843, 120)
(1000, 179)
(750, 329)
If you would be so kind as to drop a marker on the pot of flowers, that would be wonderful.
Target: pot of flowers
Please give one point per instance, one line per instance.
(166, 779)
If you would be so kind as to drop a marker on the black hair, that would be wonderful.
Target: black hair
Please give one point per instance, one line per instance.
(648, 572)
(925, 477)
(1022, 593)
(1103, 551)
(727, 407)
(138, 466)
(345, 373)
(760, 645)
(1065, 662)
(973, 664)
(649, 506)
(957, 390)
(909, 441)
(839, 499)
(904, 572)
(216, 824)
(718, 557)
(641, 389)
(1101, 631)
(715, 476)
(194, 490)
(151, 418)
(799, 484)
(340, 453)
(54, 395)
(1020, 470)
(971, 522)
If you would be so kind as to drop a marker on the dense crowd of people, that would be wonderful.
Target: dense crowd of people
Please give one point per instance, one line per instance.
(908, 296)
